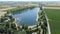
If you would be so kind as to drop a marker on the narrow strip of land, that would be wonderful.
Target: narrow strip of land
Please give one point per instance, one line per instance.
(49, 32)
(51, 7)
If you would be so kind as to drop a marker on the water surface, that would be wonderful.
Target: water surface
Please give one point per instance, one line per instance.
(27, 16)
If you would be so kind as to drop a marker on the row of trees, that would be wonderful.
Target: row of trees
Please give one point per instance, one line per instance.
(42, 20)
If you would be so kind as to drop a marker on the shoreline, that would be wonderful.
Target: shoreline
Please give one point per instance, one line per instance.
(30, 26)
(36, 19)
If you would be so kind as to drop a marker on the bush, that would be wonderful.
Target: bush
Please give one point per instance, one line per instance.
(25, 26)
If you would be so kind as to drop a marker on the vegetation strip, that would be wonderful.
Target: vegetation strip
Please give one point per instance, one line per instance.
(17, 9)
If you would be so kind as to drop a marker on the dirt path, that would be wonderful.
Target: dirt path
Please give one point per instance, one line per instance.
(51, 7)
(49, 32)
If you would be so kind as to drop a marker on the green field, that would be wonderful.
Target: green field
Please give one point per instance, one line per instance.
(54, 20)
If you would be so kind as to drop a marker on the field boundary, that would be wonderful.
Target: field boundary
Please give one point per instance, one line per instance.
(49, 31)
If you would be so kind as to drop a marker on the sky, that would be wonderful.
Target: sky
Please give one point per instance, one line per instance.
(29, 0)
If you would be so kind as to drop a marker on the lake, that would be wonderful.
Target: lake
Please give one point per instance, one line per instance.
(26, 16)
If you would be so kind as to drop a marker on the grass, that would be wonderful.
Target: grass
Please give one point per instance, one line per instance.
(54, 20)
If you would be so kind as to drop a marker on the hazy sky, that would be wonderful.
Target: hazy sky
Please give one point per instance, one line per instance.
(29, 0)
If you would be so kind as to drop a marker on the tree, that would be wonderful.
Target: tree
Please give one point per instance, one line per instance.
(41, 7)
(44, 28)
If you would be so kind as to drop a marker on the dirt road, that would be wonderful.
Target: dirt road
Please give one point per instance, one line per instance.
(51, 7)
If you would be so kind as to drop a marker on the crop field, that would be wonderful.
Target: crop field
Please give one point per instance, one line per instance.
(54, 20)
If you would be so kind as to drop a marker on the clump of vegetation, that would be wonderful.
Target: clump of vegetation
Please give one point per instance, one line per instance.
(25, 26)
(6, 24)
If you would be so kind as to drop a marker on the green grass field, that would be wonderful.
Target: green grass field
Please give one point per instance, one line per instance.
(54, 20)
